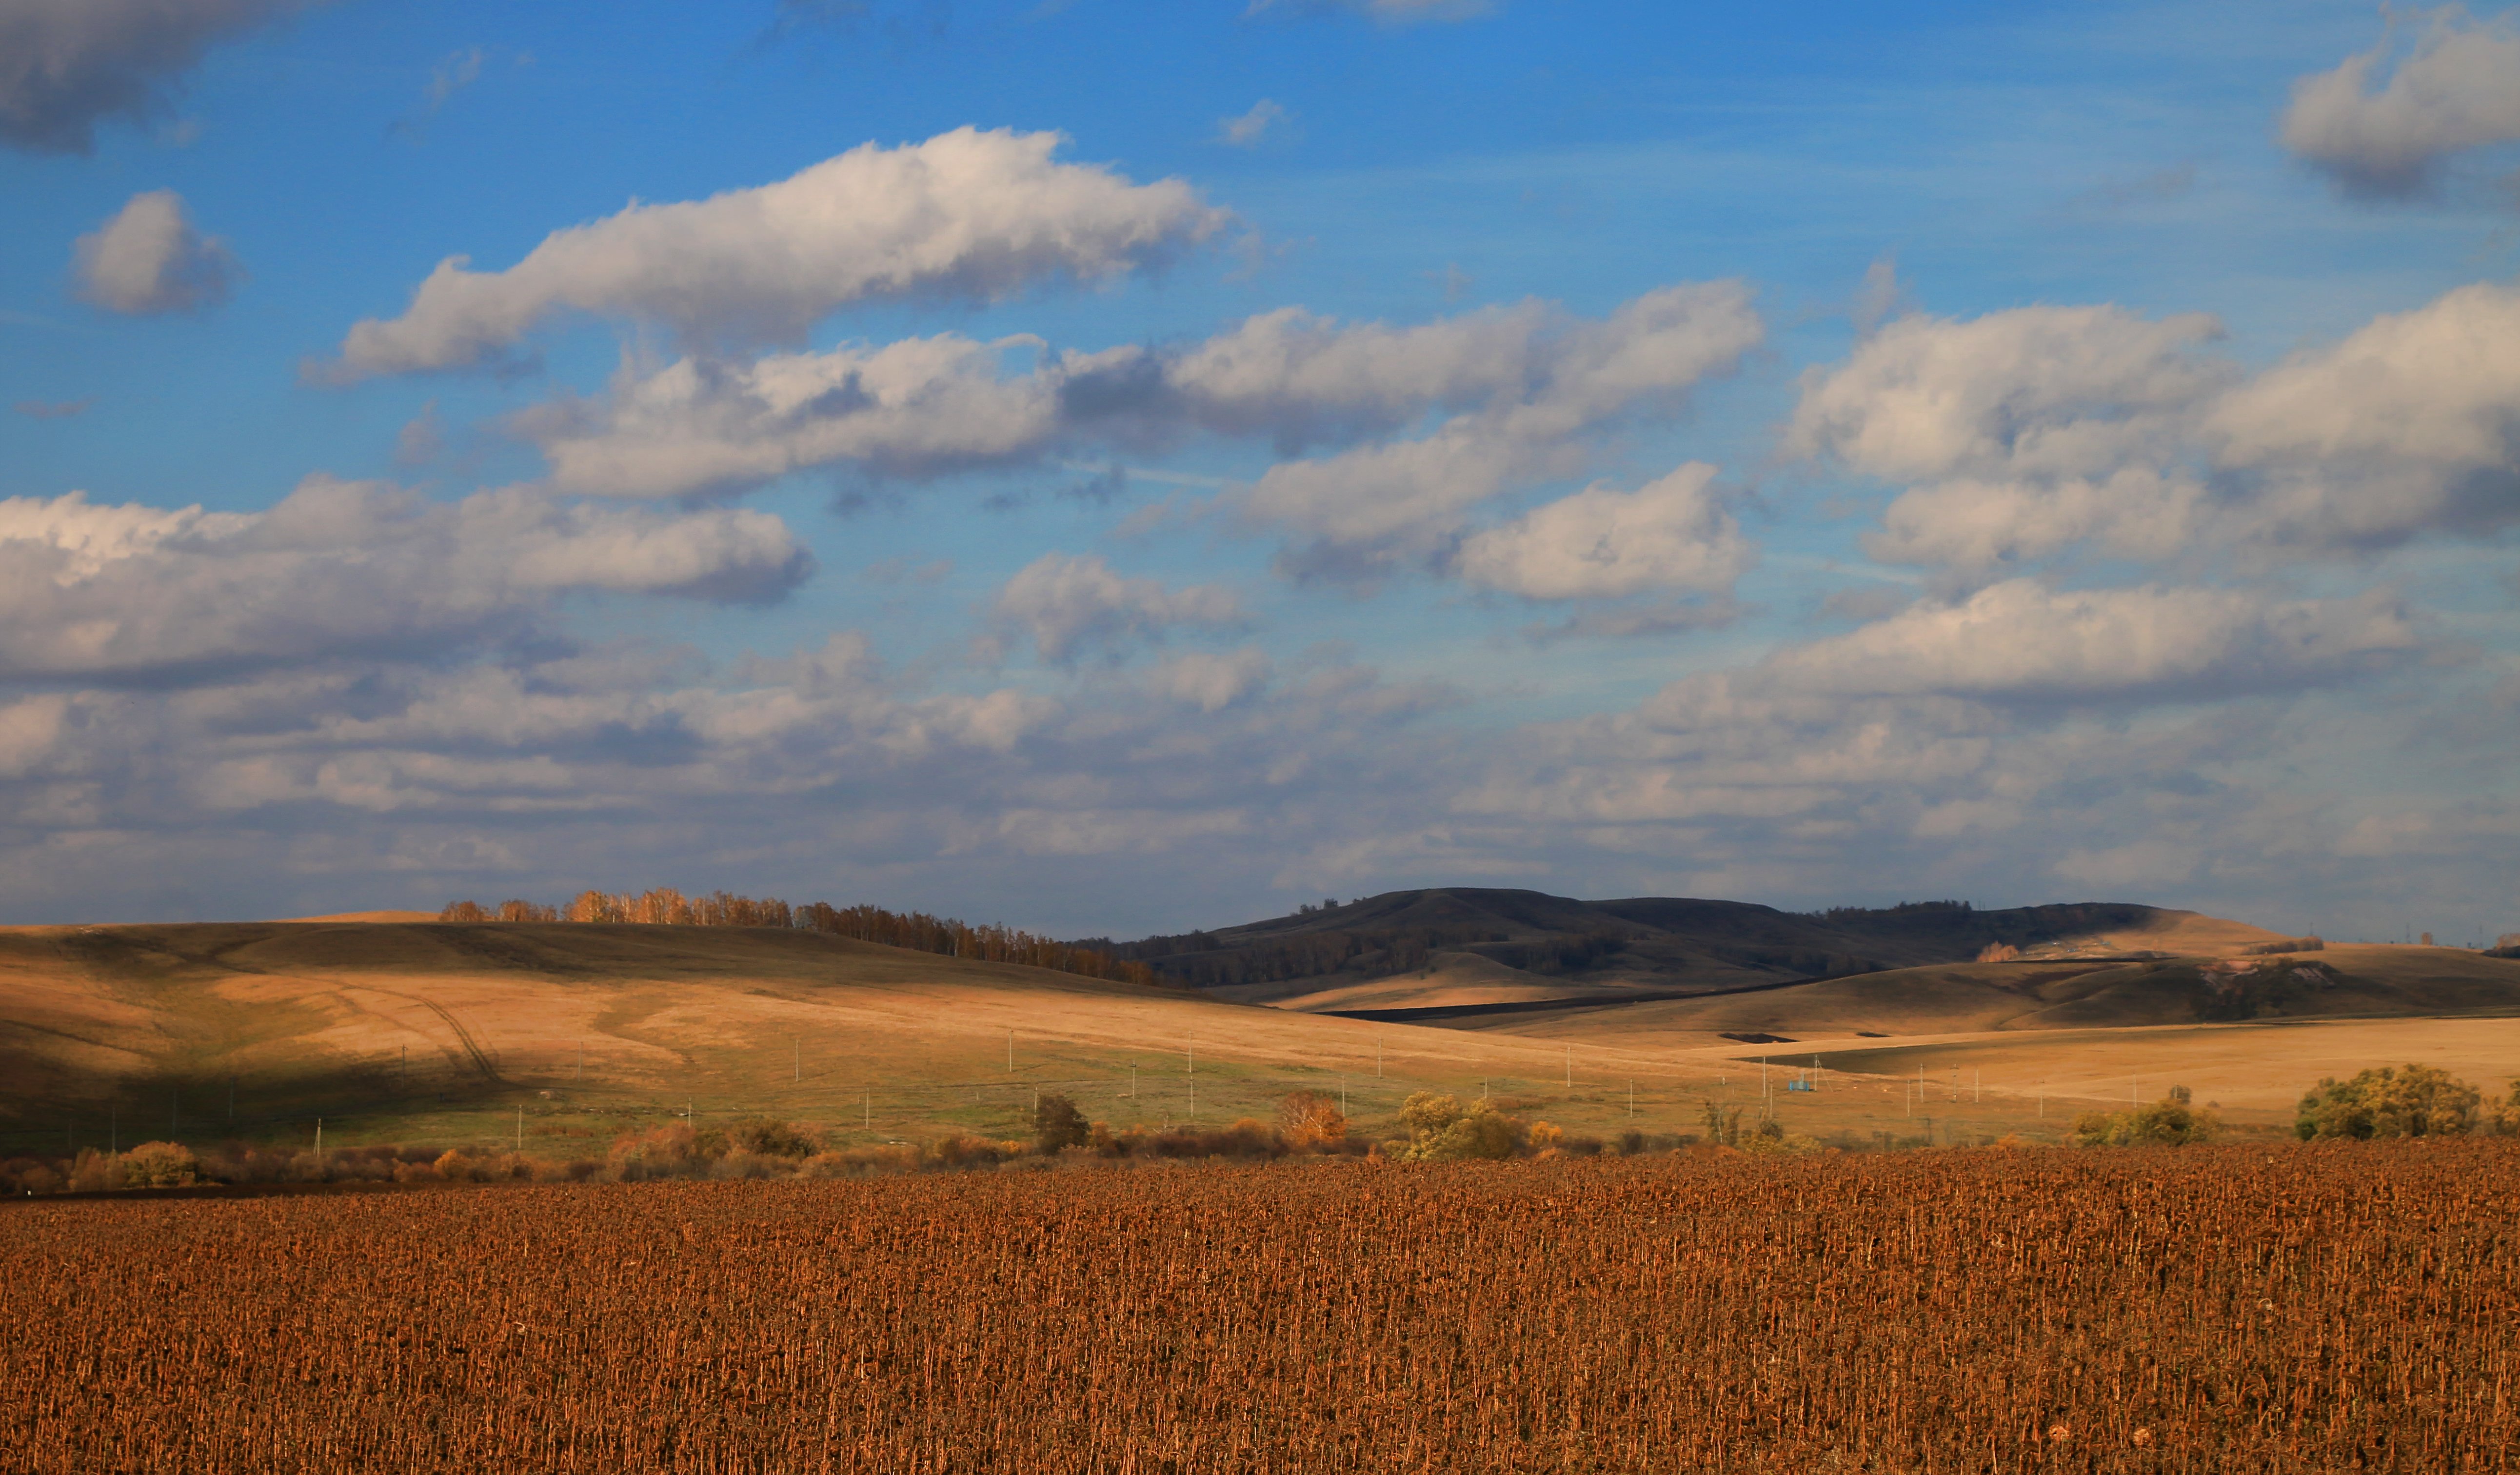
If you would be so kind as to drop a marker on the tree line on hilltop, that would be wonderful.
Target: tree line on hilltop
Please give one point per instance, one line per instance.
(951, 937)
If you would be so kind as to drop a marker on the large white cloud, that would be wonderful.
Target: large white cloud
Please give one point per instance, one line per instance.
(2027, 391)
(339, 569)
(150, 260)
(1521, 391)
(2022, 641)
(920, 407)
(2024, 431)
(1066, 602)
(65, 64)
(2020, 432)
(1390, 504)
(2411, 423)
(1668, 535)
(965, 214)
(2457, 89)
(2028, 433)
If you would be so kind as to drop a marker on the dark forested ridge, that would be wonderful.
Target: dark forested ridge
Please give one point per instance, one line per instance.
(1617, 946)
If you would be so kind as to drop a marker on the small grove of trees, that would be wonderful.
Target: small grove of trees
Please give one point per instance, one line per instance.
(1724, 1130)
(2412, 1101)
(1307, 1121)
(2173, 1121)
(1443, 1128)
(663, 906)
(2288, 945)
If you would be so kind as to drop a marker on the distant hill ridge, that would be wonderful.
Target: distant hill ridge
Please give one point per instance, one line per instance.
(1493, 945)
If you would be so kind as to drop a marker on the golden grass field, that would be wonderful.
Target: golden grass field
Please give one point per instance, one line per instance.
(392, 1027)
(402, 1030)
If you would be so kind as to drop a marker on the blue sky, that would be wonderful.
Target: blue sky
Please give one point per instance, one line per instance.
(1814, 455)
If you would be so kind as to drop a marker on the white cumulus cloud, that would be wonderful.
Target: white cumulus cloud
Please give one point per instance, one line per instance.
(922, 407)
(2411, 423)
(1671, 534)
(1065, 602)
(2022, 641)
(2027, 433)
(1246, 130)
(2457, 89)
(1380, 506)
(140, 594)
(150, 260)
(965, 214)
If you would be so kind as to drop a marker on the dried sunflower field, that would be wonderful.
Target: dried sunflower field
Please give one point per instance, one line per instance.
(2223, 1310)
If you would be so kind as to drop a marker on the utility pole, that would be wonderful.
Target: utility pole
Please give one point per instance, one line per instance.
(1342, 1096)
(796, 1066)
(521, 1127)
(1378, 1058)
(1571, 1067)
(1632, 1099)
(581, 1058)
(1010, 1051)
(1977, 1086)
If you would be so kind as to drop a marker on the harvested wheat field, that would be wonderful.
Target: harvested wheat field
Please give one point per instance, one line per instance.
(2207, 1309)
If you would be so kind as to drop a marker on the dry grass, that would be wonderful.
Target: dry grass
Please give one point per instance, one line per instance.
(317, 1019)
(141, 1030)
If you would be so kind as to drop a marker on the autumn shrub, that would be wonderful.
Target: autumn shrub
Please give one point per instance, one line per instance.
(742, 1164)
(1441, 1130)
(94, 1172)
(2170, 1122)
(31, 1174)
(2415, 1100)
(1248, 1137)
(673, 1150)
(161, 1165)
(767, 1137)
(861, 1162)
(1057, 1124)
(961, 1150)
(1309, 1118)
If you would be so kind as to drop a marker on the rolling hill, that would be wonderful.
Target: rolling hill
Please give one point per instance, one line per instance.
(1458, 950)
(561, 1036)
(551, 1032)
